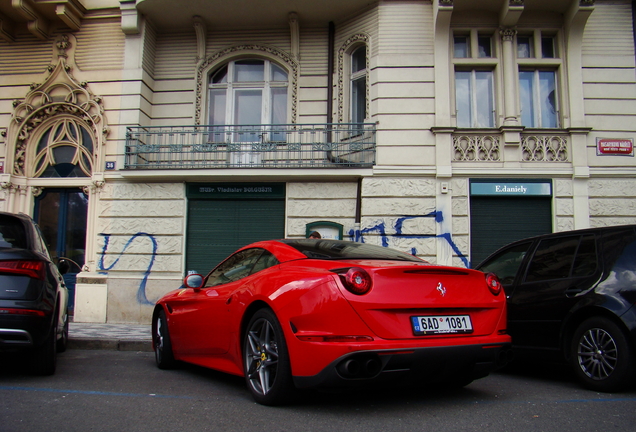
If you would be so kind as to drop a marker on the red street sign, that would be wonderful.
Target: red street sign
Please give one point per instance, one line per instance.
(613, 146)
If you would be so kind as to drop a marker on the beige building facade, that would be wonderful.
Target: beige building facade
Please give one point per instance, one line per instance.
(149, 138)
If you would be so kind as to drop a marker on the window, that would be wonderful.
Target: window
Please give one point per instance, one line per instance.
(474, 80)
(248, 92)
(506, 264)
(474, 98)
(485, 70)
(358, 80)
(64, 150)
(537, 91)
(538, 79)
(240, 265)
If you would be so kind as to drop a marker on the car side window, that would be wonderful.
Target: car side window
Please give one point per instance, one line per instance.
(553, 259)
(506, 264)
(234, 268)
(12, 233)
(586, 260)
(266, 260)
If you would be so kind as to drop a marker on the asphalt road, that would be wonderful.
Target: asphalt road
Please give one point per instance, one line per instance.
(124, 391)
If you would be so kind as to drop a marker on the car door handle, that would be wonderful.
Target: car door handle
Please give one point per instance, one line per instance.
(572, 291)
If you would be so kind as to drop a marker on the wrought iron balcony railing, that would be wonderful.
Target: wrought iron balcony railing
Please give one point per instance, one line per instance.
(349, 145)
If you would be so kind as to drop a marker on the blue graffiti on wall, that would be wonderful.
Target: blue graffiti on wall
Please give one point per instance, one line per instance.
(398, 226)
(141, 292)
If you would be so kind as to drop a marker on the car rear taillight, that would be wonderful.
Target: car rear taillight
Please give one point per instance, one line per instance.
(33, 269)
(493, 283)
(356, 281)
(15, 311)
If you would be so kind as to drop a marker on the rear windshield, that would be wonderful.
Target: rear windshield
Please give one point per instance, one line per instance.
(12, 233)
(338, 249)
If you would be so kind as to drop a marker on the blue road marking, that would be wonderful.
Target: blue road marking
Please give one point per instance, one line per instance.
(89, 392)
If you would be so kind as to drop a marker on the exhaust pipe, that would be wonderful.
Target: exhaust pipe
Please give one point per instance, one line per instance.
(361, 366)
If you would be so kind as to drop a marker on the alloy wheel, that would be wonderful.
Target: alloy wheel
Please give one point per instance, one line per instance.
(261, 356)
(597, 354)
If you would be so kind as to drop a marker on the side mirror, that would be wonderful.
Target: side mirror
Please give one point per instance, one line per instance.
(63, 266)
(194, 281)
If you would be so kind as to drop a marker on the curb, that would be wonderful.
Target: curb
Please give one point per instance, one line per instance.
(110, 344)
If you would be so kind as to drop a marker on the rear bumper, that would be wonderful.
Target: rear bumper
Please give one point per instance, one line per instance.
(431, 365)
(18, 332)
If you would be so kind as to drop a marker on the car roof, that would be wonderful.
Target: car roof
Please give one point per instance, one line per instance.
(581, 231)
(293, 249)
(578, 231)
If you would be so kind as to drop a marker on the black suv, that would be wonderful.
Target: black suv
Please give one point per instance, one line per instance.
(33, 297)
(572, 294)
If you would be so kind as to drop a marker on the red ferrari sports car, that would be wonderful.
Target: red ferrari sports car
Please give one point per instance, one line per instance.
(307, 313)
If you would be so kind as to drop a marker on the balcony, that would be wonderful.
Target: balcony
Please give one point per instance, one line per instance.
(348, 145)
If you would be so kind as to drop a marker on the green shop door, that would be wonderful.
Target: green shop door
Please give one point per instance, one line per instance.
(222, 219)
(503, 211)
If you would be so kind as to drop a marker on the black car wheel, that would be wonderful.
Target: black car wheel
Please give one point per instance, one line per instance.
(267, 367)
(45, 355)
(62, 342)
(161, 340)
(602, 356)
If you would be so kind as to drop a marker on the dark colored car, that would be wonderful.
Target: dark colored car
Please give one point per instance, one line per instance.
(571, 295)
(33, 297)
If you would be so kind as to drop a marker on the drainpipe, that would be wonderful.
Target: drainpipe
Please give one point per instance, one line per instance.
(634, 19)
(330, 69)
(359, 204)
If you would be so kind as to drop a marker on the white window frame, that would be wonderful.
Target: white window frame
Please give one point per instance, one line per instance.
(538, 64)
(353, 78)
(473, 62)
(264, 86)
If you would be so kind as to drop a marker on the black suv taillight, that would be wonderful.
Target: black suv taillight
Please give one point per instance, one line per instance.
(33, 269)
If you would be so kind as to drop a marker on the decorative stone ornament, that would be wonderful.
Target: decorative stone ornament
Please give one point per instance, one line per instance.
(63, 101)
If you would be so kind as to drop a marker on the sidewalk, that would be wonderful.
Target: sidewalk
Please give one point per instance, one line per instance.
(120, 337)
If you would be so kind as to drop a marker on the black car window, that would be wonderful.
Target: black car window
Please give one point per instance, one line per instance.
(266, 260)
(234, 268)
(553, 259)
(618, 249)
(40, 244)
(339, 249)
(12, 233)
(586, 262)
(506, 263)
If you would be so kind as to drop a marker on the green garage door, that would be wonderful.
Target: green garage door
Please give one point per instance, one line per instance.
(216, 228)
(498, 220)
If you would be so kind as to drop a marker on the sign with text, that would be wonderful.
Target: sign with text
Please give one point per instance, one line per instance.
(508, 188)
(236, 190)
(615, 146)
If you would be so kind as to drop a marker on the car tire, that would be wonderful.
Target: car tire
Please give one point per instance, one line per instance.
(266, 360)
(602, 356)
(161, 342)
(62, 343)
(45, 355)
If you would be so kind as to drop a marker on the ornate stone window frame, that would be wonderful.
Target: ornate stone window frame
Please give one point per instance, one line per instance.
(59, 96)
(349, 45)
(211, 63)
